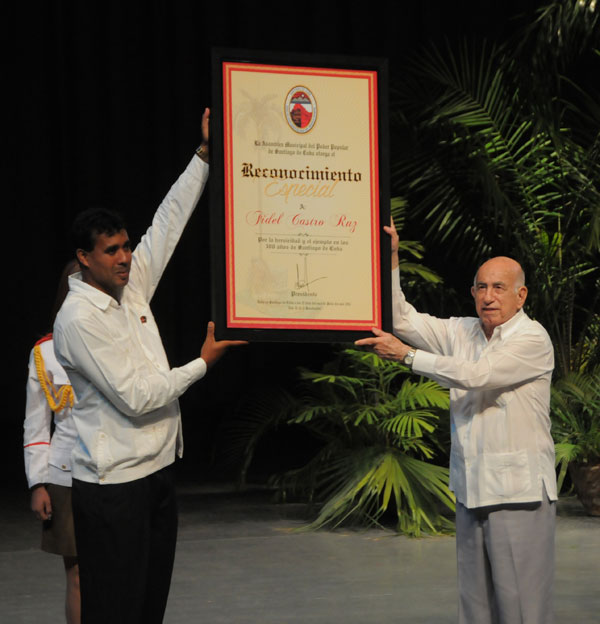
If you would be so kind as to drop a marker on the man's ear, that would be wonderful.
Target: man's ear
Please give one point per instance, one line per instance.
(521, 296)
(82, 258)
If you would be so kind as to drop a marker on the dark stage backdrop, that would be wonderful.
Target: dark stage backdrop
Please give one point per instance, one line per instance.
(104, 106)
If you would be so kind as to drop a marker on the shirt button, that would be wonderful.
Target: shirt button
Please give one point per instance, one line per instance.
(64, 466)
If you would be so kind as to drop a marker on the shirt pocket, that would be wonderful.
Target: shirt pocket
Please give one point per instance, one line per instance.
(151, 440)
(499, 397)
(506, 474)
(60, 458)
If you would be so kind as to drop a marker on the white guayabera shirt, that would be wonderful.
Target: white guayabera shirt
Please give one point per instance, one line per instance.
(502, 450)
(126, 411)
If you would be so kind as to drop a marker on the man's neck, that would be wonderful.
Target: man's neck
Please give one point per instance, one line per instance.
(489, 331)
(116, 294)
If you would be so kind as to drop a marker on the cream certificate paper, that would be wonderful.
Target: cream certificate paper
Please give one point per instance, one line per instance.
(301, 197)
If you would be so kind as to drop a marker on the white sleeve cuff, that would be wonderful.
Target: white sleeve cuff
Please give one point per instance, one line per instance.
(197, 369)
(424, 362)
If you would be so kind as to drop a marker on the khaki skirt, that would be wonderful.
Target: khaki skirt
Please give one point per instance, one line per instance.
(58, 534)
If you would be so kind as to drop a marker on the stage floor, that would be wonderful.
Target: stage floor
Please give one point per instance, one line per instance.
(239, 561)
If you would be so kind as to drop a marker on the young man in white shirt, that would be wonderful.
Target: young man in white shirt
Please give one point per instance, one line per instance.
(126, 411)
(498, 368)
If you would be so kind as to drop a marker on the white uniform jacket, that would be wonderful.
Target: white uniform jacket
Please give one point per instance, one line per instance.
(47, 459)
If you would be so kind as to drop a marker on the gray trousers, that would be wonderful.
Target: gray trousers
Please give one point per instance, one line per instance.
(506, 563)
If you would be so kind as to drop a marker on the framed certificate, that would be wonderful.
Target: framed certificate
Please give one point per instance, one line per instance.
(299, 194)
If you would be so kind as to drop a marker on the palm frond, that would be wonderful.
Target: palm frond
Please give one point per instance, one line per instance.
(575, 411)
(374, 479)
(424, 393)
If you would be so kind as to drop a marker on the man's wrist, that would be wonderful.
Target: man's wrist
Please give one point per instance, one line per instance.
(409, 357)
(202, 152)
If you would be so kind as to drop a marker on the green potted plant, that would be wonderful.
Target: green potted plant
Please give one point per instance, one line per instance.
(375, 431)
(378, 423)
(576, 431)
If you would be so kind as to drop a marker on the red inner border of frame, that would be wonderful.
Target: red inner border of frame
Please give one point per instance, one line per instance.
(235, 321)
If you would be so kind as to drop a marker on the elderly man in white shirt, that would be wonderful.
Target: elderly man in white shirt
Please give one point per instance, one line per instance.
(498, 368)
(126, 411)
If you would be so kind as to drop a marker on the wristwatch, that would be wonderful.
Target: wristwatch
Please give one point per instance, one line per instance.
(202, 152)
(407, 360)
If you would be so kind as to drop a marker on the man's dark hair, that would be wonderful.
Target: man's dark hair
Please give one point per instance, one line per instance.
(92, 222)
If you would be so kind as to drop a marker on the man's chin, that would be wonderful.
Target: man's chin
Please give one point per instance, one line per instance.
(489, 316)
(490, 319)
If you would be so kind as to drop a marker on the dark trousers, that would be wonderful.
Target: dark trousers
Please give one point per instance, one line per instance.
(126, 535)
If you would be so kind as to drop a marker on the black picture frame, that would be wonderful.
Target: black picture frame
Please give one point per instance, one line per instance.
(221, 56)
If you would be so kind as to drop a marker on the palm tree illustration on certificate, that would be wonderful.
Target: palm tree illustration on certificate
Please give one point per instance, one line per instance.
(262, 280)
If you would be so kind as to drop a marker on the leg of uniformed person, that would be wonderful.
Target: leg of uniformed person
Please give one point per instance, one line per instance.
(58, 536)
(519, 544)
(125, 532)
(73, 596)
